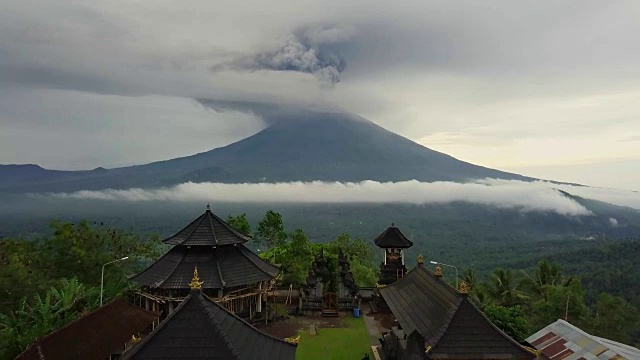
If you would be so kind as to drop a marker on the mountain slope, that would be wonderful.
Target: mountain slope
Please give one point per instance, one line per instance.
(314, 146)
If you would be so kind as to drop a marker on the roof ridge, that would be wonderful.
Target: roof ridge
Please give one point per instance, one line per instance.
(213, 232)
(133, 350)
(230, 228)
(417, 267)
(159, 283)
(251, 260)
(181, 230)
(201, 218)
(246, 323)
(443, 329)
(147, 268)
(215, 256)
(593, 337)
(223, 334)
(504, 335)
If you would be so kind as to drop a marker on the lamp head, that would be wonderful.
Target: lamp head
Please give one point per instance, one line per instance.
(434, 262)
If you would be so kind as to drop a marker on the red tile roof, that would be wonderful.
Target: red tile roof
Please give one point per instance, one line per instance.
(95, 335)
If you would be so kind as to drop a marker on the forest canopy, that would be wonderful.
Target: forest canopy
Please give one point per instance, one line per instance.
(49, 281)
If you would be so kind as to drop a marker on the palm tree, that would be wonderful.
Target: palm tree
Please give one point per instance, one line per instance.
(503, 288)
(544, 277)
(474, 287)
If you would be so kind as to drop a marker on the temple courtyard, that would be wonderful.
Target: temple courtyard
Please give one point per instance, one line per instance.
(344, 337)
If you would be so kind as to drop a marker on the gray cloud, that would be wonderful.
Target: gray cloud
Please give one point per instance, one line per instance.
(51, 78)
(538, 197)
(485, 82)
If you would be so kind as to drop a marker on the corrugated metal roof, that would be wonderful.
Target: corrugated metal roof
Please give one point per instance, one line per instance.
(561, 340)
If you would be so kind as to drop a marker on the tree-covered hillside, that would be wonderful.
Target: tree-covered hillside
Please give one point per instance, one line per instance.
(48, 281)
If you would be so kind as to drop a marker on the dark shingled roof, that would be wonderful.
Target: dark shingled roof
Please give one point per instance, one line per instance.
(201, 329)
(218, 251)
(220, 267)
(96, 335)
(393, 238)
(207, 230)
(449, 322)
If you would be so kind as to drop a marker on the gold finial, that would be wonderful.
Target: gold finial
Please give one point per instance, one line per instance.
(463, 288)
(438, 271)
(293, 340)
(420, 260)
(195, 282)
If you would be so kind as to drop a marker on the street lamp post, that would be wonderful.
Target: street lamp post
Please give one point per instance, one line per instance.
(439, 263)
(102, 277)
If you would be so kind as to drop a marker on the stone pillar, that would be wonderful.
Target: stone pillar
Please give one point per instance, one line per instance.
(146, 303)
(385, 256)
(402, 252)
(170, 307)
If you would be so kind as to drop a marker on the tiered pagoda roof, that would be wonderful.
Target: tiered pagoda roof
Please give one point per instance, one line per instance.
(202, 329)
(451, 325)
(392, 237)
(216, 248)
(207, 230)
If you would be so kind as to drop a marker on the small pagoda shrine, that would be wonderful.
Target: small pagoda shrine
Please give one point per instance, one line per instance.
(393, 243)
(233, 276)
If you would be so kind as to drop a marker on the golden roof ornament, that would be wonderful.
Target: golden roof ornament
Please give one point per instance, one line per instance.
(195, 282)
(438, 271)
(420, 260)
(463, 288)
(293, 340)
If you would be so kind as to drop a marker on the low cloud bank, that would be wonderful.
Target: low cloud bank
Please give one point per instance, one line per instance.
(536, 196)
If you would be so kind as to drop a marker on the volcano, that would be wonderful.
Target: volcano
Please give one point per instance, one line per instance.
(312, 146)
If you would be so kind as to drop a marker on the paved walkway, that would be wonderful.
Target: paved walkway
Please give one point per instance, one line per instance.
(374, 328)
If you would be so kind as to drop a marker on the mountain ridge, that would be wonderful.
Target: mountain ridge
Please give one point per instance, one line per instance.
(313, 146)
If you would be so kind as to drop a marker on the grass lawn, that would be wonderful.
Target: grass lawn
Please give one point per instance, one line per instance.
(350, 342)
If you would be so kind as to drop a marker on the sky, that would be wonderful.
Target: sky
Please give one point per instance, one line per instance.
(545, 89)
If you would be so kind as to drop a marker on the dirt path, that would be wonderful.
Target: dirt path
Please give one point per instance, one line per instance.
(291, 326)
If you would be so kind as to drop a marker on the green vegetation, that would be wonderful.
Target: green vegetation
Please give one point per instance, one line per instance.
(42, 315)
(48, 282)
(240, 223)
(521, 303)
(597, 288)
(295, 253)
(351, 341)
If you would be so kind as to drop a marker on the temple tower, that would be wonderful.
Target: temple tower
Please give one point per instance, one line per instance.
(393, 244)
